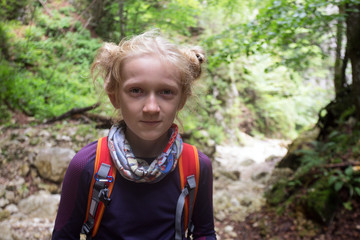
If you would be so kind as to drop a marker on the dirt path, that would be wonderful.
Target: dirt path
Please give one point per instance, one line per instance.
(242, 173)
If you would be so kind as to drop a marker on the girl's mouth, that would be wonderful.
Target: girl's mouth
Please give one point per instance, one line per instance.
(150, 122)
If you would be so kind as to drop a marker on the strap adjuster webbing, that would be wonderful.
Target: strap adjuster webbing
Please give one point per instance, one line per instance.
(100, 193)
(191, 182)
(189, 189)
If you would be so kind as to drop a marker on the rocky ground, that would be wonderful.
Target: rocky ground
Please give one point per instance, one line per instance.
(33, 160)
(241, 174)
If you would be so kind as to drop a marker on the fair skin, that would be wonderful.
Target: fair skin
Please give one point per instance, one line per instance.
(149, 98)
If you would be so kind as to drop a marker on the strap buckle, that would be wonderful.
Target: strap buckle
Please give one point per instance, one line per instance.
(103, 196)
(86, 228)
(191, 182)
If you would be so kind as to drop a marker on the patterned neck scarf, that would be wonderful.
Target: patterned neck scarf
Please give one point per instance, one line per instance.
(138, 170)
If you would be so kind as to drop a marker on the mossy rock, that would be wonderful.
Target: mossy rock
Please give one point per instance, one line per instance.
(277, 194)
(292, 159)
(321, 202)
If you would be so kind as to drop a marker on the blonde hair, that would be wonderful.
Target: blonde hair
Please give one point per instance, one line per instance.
(111, 58)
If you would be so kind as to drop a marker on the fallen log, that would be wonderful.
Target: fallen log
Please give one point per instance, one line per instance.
(72, 112)
(104, 122)
(342, 165)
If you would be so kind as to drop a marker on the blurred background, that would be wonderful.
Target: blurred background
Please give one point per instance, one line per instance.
(277, 109)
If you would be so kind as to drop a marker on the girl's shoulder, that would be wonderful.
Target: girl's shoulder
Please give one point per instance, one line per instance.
(203, 157)
(82, 158)
(205, 162)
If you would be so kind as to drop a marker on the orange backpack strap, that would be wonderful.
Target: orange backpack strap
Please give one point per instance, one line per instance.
(100, 190)
(189, 171)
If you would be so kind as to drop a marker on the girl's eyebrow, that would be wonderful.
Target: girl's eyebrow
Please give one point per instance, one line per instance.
(169, 83)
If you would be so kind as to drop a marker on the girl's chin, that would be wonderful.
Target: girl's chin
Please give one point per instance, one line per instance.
(152, 138)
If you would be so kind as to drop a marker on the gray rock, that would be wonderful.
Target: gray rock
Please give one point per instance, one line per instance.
(273, 158)
(41, 205)
(10, 196)
(3, 202)
(233, 175)
(260, 176)
(44, 133)
(30, 132)
(4, 214)
(53, 162)
(279, 174)
(247, 162)
(12, 208)
(229, 228)
(5, 231)
(2, 190)
(63, 138)
(246, 202)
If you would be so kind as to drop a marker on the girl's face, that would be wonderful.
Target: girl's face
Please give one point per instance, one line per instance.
(150, 95)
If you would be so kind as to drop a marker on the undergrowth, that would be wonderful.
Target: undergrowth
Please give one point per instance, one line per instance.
(45, 71)
(327, 178)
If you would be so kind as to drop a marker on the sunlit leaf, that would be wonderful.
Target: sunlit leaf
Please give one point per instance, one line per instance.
(338, 186)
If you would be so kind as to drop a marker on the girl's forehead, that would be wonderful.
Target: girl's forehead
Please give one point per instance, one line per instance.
(149, 64)
(144, 57)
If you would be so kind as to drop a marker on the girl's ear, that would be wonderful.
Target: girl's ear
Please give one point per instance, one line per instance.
(113, 101)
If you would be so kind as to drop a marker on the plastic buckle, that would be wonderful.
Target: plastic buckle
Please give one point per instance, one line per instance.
(191, 182)
(108, 179)
(191, 229)
(103, 196)
(86, 229)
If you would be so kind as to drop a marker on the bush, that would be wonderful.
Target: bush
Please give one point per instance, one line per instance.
(46, 75)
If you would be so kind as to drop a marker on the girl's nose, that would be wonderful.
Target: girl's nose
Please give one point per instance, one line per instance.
(151, 105)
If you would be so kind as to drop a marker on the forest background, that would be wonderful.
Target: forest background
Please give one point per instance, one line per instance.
(275, 69)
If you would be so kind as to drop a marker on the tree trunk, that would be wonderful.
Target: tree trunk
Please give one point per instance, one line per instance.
(353, 41)
(97, 11)
(122, 20)
(339, 78)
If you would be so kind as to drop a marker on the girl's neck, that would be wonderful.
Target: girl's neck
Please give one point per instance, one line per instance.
(146, 148)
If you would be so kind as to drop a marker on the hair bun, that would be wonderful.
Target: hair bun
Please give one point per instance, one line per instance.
(200, 57)
(199, 53)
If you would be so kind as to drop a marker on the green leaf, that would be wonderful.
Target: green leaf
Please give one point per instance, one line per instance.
(357, 180)
(349, 171)
(338, 186)
(332, 179)
(347, 205)
(357, 190)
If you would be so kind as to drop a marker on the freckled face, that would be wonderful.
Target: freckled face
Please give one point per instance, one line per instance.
(149, 98)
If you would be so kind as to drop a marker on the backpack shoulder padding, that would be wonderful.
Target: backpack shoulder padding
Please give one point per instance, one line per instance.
(188, 166)
(102, 157)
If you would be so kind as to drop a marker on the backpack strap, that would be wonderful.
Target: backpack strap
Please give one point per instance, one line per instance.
(100, 190)
(189, 171)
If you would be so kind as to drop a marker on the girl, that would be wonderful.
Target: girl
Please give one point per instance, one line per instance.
(147, 79)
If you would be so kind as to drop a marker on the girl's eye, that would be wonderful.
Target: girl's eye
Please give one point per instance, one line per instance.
(166, 92)
(136, 91)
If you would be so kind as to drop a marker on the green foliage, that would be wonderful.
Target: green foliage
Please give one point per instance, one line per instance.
(115, 20)
(12, 9)
(196, 122)
(283, 29)
(326, 176)
(347, 179)
(273, 61)
(280, 103)
(48, 75)
(55, 25)
(278, 193)
(321, 201)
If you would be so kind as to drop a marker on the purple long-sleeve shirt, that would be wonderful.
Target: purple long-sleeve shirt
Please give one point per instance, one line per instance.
(137, 210)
